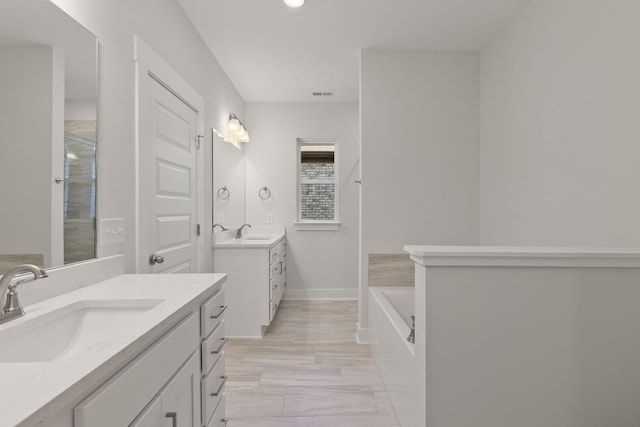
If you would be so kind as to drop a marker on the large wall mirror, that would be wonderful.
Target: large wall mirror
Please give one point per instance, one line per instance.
(228, 183)
(48, 133)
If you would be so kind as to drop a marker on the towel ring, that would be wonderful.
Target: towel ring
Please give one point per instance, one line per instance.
(264, 193)
(223, 193)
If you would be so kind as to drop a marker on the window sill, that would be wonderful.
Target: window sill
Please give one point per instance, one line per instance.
(318, 226)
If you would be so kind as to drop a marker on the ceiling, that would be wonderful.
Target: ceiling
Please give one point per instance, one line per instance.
(273, 53)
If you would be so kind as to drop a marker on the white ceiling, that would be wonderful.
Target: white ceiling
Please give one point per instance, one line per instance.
(273, 53)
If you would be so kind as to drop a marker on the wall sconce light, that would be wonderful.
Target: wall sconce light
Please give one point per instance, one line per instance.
(235, 131)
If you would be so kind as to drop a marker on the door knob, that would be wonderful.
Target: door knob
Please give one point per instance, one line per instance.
(155, 259)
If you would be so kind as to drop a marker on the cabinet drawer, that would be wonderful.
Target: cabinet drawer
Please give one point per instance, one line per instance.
(273, 286)
(213, 347)
(277, 268)
(213, 390)
(276, 251)
(280, 291)
(211, 313)
(276, 288)
(219, 419)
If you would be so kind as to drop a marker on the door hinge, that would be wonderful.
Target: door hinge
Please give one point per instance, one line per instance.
(197, 229)
(198, 139)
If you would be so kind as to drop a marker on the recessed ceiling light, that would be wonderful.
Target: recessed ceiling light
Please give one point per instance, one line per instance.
(294, 3)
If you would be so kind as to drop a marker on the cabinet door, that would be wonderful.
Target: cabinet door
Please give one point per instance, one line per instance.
(219, 419)
(181, 399)
(121, 398)
(150, 417)
(179, 404)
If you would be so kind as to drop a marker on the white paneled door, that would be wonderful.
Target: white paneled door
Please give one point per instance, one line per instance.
(167, 183)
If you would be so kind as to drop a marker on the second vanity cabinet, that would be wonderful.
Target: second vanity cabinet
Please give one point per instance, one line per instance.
(177, 382)
(277, 281)
(255, 285)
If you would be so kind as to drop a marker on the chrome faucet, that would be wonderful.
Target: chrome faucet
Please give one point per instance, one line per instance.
(412, 335)
(12, 308)
(222, 227)
(239, 232)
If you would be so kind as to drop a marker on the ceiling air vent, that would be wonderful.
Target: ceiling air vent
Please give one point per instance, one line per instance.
(322, 93)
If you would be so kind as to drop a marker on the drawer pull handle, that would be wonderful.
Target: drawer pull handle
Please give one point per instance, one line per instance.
(174, 418)
(224, 421)
(219, 349)
(219, 390)
(223, 307)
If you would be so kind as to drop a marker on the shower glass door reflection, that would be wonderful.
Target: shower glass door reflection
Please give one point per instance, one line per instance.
(79, 190)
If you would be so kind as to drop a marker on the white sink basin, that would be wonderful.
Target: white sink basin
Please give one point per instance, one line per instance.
(257, 237)
(69, 330)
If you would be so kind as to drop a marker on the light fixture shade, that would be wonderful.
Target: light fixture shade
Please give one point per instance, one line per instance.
(230, 136)
(294, 3)
(234, 125)
(235, 131)
(243, 136)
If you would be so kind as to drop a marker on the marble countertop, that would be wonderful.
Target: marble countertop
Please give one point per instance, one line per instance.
(33, 392)
(258, 237)
(542, 256)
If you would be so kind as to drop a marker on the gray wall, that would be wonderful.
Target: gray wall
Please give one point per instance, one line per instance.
(419, 119)
(560, 129)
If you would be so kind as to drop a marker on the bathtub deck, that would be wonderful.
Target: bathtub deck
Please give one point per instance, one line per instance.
(307, 371)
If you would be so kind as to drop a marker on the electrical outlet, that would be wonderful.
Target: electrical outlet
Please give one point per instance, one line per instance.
(220, 219)
(113, 231)
(269, 218)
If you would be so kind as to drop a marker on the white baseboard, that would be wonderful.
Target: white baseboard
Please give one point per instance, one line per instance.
(363, 335)
(310, 294)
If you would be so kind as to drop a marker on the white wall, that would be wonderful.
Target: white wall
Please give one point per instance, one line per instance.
(560, 126)
(33, 87)
(80, 110)
(420, 121)
(162, 24)
(319, 263)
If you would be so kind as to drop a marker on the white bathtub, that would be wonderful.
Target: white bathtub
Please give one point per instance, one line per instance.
(390, 312)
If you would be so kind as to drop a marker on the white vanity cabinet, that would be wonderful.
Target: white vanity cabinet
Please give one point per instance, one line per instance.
(148, 376)
(277, 281)
(255, 284)
(213, 378)
(177, 382)
(177, 403)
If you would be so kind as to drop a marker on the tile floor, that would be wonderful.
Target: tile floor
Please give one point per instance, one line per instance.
(307, 371)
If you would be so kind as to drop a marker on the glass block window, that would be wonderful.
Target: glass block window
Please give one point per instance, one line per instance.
(317, 190)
